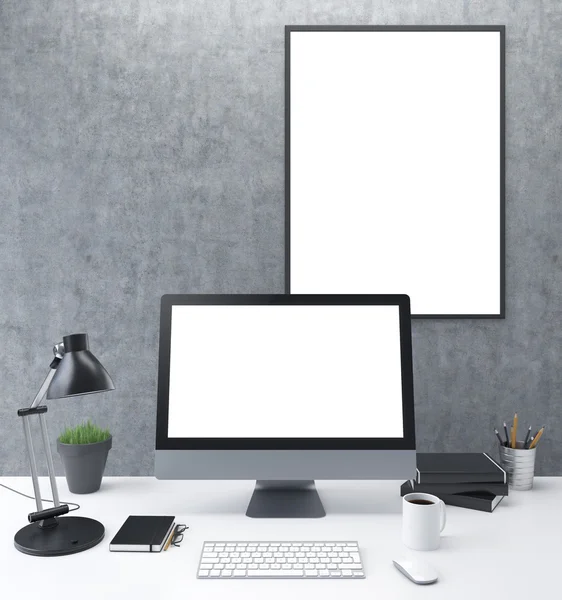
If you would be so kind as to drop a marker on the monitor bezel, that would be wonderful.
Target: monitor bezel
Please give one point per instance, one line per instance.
(163, 442)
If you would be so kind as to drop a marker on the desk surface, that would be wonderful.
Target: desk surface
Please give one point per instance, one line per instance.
(512, 553)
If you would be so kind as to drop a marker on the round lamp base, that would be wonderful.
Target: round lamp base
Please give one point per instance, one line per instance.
(71, 535)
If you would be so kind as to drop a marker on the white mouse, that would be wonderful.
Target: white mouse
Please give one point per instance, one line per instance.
(416, 570)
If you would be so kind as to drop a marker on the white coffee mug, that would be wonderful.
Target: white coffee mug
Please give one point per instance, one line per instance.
(423, 520)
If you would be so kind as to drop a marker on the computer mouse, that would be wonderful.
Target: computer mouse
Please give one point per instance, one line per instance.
(416, 570)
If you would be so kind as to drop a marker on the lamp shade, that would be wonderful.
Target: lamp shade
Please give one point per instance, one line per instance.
(79, 371)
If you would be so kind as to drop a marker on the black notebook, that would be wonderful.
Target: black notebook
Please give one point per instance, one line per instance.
(142, 534)
(498, 489)
(460, 467)
(484, 501)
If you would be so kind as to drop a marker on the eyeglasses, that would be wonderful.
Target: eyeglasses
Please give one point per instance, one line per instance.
(177, 538)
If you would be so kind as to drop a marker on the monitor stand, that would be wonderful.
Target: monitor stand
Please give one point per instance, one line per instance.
(285, 499)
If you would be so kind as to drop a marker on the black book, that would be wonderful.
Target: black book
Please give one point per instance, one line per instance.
(460, 467)
(142, 534)
(483, 501)
(498, 489)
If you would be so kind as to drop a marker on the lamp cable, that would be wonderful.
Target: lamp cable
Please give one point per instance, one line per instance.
(42, 499)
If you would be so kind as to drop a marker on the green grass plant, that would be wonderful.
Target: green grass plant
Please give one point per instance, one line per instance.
(85, 433)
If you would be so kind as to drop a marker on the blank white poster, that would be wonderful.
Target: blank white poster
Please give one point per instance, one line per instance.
(395, 167)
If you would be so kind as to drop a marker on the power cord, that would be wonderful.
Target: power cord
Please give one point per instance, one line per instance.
(42, 499)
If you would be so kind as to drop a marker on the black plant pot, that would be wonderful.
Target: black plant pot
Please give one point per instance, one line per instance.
(84, 464)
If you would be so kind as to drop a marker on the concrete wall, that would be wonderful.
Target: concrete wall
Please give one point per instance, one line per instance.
(141, 153)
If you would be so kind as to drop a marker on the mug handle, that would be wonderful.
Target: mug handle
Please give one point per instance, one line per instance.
(443, 514)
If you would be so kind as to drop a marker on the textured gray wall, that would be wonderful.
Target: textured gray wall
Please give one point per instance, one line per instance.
(141, 152)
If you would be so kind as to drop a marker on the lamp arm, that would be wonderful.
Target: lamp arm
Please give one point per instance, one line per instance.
(25, 414)
(44, 387)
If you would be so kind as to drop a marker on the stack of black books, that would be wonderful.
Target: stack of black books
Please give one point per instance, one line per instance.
(470, 480)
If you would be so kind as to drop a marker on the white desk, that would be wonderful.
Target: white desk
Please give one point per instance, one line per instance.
(512, 553)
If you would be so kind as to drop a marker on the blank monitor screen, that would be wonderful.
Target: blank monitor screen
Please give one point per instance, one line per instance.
(285, 371)
(395, 165)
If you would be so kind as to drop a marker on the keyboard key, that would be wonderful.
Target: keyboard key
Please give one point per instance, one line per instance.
(226, 573)
(335, 574)
(346, 573)
(311, 573)
(209, 555)
(203, 573)
(239, 573)
(323, 573)
(215, 573)
(358, 574)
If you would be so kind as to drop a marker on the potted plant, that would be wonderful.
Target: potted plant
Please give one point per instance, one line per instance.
(83, 450)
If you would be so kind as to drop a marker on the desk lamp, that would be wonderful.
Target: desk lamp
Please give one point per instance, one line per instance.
(74, 371)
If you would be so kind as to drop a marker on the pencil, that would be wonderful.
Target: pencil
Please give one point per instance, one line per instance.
(169, 541)
(514, 432)
(506, 434)
(499, 437)
(537, 438)
(527, 437)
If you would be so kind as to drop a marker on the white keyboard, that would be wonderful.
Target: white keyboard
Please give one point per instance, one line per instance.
(280, 560)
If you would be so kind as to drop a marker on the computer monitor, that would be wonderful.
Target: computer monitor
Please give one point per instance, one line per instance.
(285, 389)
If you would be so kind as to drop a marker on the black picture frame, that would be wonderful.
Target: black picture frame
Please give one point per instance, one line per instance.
(405, 28)
(163, 442)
